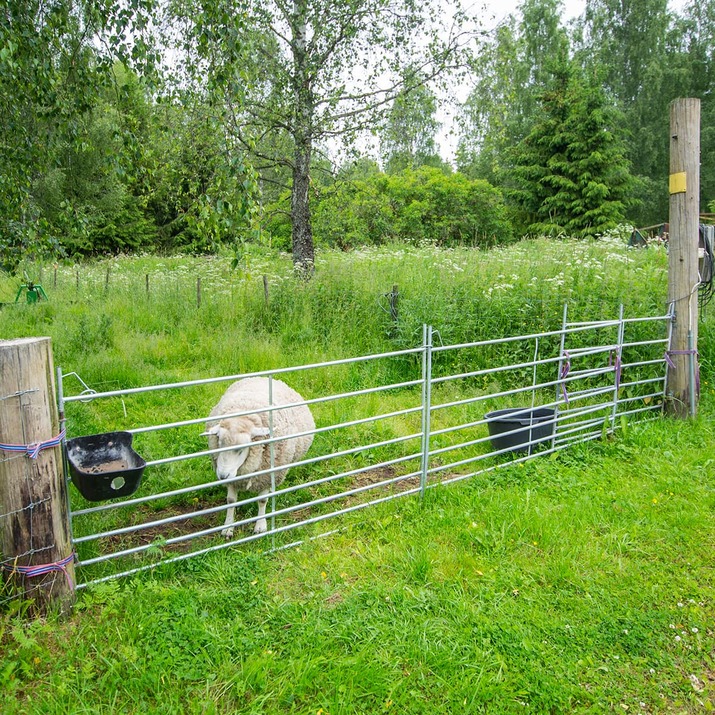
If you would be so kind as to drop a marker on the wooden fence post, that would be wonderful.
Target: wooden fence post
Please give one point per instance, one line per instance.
(683, 255)
(36, 552)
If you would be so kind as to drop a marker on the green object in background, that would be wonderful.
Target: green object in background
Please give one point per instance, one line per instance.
(34, 292)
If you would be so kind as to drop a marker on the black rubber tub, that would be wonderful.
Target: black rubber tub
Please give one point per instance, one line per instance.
(104, 466)
(521, 430)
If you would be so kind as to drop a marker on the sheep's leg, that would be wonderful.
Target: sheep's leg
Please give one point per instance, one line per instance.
(261, 526)
(230, 512)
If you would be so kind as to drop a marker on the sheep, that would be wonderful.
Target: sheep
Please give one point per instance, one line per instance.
(252, 393)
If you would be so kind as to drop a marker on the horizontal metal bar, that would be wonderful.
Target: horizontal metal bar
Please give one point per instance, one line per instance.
(648, 319)
(225, 482)
(275, 408)
(581, 437)
(576, 395)
(649, 408)
(278, 512)
(243, 502)
(568, 415)
(656, 405)
(644, 319)
(655, 341)
(530, 336)
(638, 383)
(643, 363)
(239, 376)
(272, 440)
(519, 366)
(514, 391)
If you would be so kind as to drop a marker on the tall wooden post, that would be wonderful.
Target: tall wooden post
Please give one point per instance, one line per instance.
(35, 541)
(683, 254)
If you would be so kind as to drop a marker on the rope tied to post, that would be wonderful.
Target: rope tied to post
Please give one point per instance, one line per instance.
(669, 360)
(616, 364)
(43, 569)
(33, 450)
(563, 373)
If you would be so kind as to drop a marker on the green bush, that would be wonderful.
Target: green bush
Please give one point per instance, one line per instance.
(415, 206)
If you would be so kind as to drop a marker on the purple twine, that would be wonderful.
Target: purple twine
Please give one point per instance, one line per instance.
(617, 365)
(671, 364)
(42, 569)
(565, 369)
(33, 450)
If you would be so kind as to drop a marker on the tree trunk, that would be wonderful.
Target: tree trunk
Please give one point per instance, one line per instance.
(303, 250)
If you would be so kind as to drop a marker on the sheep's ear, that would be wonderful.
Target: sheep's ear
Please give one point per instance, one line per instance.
(260, 432)
(211, 431)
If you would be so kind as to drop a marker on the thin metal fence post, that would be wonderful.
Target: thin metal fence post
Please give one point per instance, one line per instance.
(272, 451)
(63, 423)
(426, 402)
(669, 346)
(559, 384)
(617, 367)
(533, 395)
(692, 372)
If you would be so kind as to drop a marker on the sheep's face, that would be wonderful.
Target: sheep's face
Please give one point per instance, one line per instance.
(230, 435)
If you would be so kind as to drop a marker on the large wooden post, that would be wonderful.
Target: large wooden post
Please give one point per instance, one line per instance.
(683, 254)
(35, 541)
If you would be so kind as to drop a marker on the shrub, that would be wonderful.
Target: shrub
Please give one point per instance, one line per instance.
(414, 206)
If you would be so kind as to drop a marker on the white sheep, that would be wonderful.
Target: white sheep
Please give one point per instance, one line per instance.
(252, 393)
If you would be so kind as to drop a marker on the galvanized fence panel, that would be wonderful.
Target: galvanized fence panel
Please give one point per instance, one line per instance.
(584, 377)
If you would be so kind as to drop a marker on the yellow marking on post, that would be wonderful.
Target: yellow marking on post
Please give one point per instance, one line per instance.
(678, 183)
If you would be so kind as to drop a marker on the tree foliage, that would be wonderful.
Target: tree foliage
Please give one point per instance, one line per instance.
(308, 71)
(570, 173)
(51, 74)
(645, 55)
(510, 72)
(408, 139)
(414, 206)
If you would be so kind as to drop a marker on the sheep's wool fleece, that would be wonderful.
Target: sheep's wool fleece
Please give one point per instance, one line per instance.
(252, 393)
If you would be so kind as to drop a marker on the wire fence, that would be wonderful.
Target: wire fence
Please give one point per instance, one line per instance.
(408, 421)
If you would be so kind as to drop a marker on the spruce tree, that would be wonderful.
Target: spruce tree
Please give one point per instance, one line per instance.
(571, 175)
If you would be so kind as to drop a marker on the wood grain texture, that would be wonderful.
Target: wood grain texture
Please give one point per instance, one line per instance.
(34, 520)
(683, 247)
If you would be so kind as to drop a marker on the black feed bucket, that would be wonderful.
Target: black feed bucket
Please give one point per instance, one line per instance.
(514, 429)
(104, 466)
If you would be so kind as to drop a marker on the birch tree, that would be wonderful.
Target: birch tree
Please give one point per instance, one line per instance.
(307, 72)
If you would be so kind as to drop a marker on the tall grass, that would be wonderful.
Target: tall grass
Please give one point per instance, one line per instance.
(114, 332)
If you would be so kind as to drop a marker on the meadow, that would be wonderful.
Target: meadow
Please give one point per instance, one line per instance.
(581, 582)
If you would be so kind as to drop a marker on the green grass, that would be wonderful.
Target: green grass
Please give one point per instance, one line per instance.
(578, 583)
